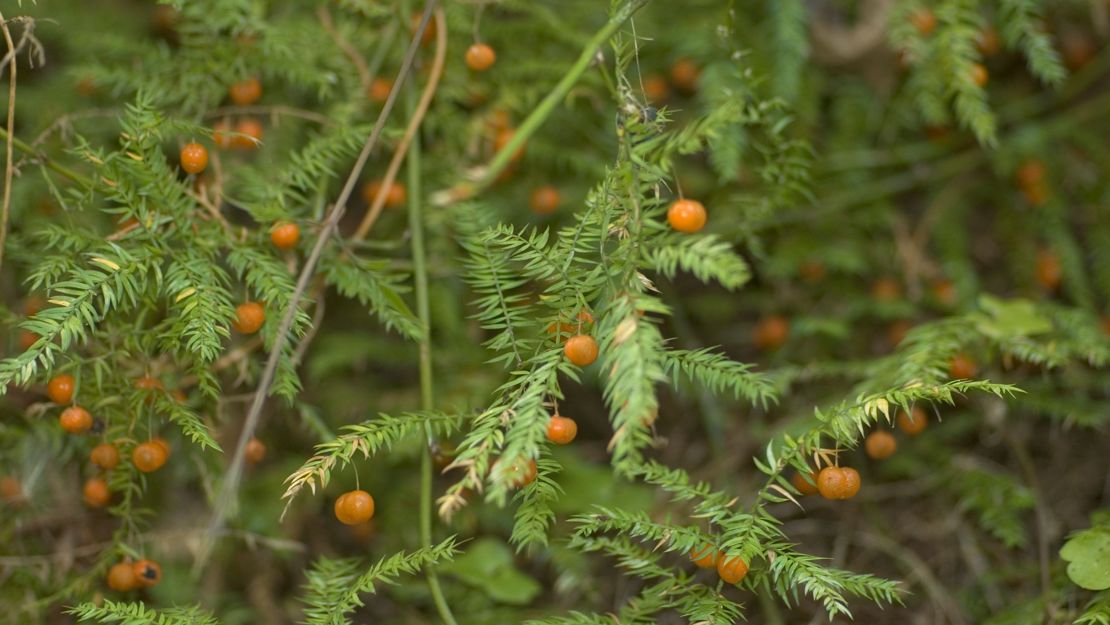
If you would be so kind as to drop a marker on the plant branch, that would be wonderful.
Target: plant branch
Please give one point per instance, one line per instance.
(485, 176)
(9, 154)
(230, 486)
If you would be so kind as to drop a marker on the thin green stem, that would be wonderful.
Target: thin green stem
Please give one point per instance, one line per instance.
(423, 311)
(22, 146)
(537, 117)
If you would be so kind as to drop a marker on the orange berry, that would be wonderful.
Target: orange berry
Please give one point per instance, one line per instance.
(880, 445)
(379, 89)
(148, 457)
(705, 557)
(429, 31)
(245, 92)
(147, 572)
(804, 486)
(686, 216)
(96, 493)
(1078, 51)
(255, 451)
(961, 367)
(522, 476)
(395, 196)
(284, 235)
(480, 57)
(1105, 325)
(1036, 194)
(812, 271)
(10, 489)
(249, 317)
(1030, 173)
(945, 292)
(561, 430)
(1049, 270)
(354, 507)
(250, 127)
(685, 74)
(897, 331)
(221, 135)
(771, 332)
(913, 423)
(731, 570)
(76, 420)
(148, 383)
(544, 200)
(105, 456)
(988, 42)
(161, 442)
(502, 139)
(979, 74)
(886, 290)
(581, 349)
(60, 388)
(924, 21)
(656, 88)
(27, 339)
(194, 158)
(121, 577)
(838, 482)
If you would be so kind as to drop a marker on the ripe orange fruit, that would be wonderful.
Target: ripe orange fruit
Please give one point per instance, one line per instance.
(161, 442)
(561, 430)
(1030, 173)
(10, 489)
(245, 92)
(121, 577)
(988, 42)
(898, 331)
(60, 388)
(1049, 269)
(502, 139)
(945, 292)
(429, 31)
(838, 482)
(812, 271)
(731, 570)
(148, 383)
(255, 451)
(924, 21)
(96, 493)
(522, 475)
(354, 507)
(76, 420)
(705, 557)
(687, 216)
(771, 332)
(979, 74)
(1078, 51)
(27, 339)
(480, 57)
(379, 89)
(961, 367)
(656, 88)
(105, 456)
(880, 445)
(581, 349)
(804, 486)
(886, 290)
(148, 457)
(395, 196)
(221, 135)
(284, 235)
(685, 74)
(194, 158)
(544, 200)
(913, 423)
(147, 572)
(249, 317)
(250, 127)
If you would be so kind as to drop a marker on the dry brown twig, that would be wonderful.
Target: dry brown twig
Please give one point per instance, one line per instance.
(9, 144)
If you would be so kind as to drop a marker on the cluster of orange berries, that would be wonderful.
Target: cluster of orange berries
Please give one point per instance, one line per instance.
(249, 129)
(731, 570)
(684, 76)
